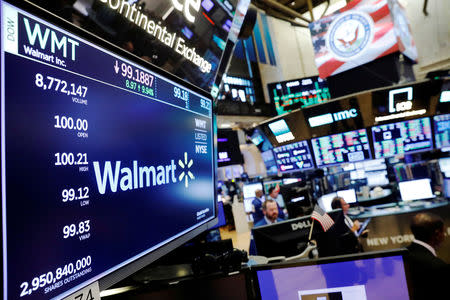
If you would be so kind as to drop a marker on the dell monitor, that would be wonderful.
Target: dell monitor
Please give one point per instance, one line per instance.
(287, 238)
(416, 190)
(402, 137)
(101, 152)
(348, 195)
(381, 275)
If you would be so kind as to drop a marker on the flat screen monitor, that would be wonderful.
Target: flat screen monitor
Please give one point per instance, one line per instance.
(325, 201)
(298, 93)
(281, 131)
(271, 183)
(351, 146)
(228, 151)
(101, 152)
(348, 195)
(444, 166)
(220, 216)
(416, 189)
(260, 140)
(249, 189)
(270, 163)
(293, 157)
(446, 188)
(359, 276)
(291, 180)
(377, 178)
(287, 238)
(402, 137)
(442, 130)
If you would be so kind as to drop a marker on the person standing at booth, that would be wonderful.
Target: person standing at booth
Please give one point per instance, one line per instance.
(429, 274)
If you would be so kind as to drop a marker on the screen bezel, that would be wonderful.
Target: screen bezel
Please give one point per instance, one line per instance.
(335, 259)
(125, 271)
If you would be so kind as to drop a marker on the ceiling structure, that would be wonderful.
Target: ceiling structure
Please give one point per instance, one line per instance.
(292, 11)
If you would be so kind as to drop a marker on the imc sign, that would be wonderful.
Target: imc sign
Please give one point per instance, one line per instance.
(400, 105)
(330, 118)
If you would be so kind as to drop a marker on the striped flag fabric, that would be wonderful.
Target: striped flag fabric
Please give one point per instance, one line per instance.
(322, 217)
(358, 33)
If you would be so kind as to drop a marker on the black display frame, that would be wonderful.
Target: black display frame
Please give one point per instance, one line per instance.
(125, 271)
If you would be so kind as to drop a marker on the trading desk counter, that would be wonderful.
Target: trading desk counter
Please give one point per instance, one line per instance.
(389, 227)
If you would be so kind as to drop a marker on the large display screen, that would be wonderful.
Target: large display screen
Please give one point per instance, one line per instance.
(299, 93)
(294, 157)
(442, 130)
(269, 161)
(186, 38)
(340, 148)
(402, 137)
(228, 151)
(103, 160)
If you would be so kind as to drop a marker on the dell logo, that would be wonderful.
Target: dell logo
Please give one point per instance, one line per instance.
(300, 225)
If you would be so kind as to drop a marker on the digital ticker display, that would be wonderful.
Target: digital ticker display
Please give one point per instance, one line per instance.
(340, 148)
(293, 157)
(442, 130)
(300, 93)
(103, 160)
(402, 137)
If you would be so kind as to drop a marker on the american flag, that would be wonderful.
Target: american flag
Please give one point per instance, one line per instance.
(322, 217)
(382, 41)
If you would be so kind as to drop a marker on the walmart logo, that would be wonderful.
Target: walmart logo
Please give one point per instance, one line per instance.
(186, 174)
(116, 176)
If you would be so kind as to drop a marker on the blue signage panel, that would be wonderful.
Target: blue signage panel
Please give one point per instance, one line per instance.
(103, 160)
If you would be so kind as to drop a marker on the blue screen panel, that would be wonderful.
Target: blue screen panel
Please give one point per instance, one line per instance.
(340, 148)
(402, 137)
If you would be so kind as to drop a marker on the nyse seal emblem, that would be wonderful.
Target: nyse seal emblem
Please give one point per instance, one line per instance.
(350, 35)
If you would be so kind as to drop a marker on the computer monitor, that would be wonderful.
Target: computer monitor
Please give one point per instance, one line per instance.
(107, 162)
(250, 188)
(446, 187)
(325, 201)
(294, 157)
(444, 166)
(287, 238)
(271, 183)
(402, 137)
(442, 130)
(348, 195)
(416, 189)
(351, 146)
(298, 93)
(381, 275)
(281, 131)
(228, 151)
(291, 180)
(260, 140)
(269, 162)
(220, 216)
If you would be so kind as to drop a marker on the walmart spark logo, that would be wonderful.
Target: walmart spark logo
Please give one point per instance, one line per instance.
(186, 174)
